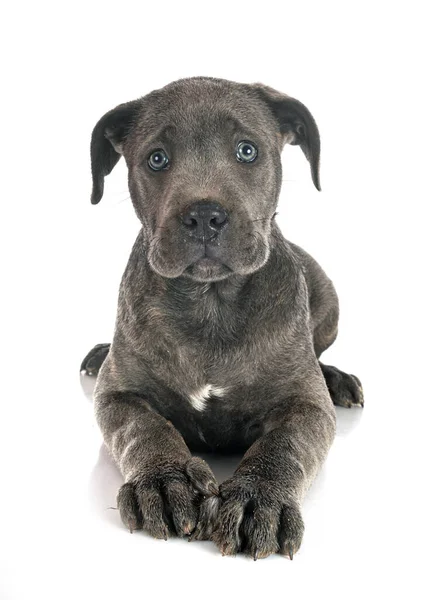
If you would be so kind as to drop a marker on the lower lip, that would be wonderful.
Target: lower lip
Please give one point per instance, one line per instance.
(208, 262)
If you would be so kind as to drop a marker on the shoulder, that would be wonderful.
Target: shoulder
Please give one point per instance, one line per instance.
(281, 284)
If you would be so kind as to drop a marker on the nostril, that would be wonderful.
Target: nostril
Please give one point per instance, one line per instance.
(218, 220)
(189, 221)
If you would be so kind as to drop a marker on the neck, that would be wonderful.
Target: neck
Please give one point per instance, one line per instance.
(212, 309)
(225, 290)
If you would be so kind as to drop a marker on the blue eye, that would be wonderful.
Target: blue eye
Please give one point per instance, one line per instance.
(158, 160)
(246, 152)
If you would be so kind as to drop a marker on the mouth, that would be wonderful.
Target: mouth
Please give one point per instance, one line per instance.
(208, 269)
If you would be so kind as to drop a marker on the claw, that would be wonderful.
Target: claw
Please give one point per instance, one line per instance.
(187, 528)
(132, 525)
(290, 551)
(256, 555)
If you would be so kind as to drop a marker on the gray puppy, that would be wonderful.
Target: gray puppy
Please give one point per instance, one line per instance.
(220, 322)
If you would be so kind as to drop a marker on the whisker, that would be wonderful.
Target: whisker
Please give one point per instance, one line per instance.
(123, 200)
(264, 218)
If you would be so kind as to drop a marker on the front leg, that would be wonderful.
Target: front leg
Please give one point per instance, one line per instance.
(164, 485)
(260, 512)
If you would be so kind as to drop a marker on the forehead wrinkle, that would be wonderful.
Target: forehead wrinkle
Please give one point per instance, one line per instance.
(195, 124)
(206, 129)
(164, 133)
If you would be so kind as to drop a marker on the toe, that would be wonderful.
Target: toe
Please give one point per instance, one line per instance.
(208, 515)
(291, 530)
(129, 508)
(357, 391)
(259, 532)
(201, 476)
(227, 535)
(179, 503)
(152, 508)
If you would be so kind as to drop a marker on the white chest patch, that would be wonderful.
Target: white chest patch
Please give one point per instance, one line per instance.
(201, 396)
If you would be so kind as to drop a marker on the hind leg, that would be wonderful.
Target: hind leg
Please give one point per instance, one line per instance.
(345, 390)
(94, 359)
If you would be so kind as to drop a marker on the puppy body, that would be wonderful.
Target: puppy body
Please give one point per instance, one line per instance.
(216, 358)
(217, 337)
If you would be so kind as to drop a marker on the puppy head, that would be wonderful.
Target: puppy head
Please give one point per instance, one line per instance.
(204, 170)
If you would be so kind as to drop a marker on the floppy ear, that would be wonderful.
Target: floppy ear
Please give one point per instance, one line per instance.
(107, 142)
(296, 125)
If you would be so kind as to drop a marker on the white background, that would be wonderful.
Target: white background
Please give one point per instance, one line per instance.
(362, 70)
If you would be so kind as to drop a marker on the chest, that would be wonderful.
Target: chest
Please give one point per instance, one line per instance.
(212, 371)
(214, 347)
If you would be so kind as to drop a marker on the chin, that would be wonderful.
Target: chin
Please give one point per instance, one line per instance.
(207, 269)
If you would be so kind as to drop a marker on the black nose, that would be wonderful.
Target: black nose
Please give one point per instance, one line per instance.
(204, 220)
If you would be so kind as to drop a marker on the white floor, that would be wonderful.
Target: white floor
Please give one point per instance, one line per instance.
(62, 537)
(361, 72)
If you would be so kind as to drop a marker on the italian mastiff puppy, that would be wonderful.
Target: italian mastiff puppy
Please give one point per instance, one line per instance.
(221, 321)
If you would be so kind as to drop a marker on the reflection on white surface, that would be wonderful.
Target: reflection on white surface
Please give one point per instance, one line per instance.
(105, 478)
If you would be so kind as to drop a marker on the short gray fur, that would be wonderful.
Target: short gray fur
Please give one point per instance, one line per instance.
(217, 337)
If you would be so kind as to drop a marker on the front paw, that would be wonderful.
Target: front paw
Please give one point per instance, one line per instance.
(166, 501)
(257, 518)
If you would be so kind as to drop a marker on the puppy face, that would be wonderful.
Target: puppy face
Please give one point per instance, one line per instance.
(204, 171)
